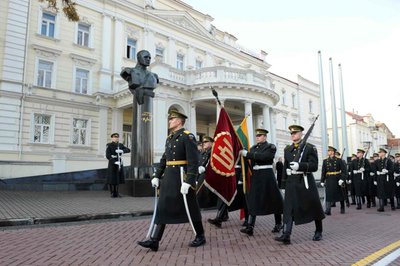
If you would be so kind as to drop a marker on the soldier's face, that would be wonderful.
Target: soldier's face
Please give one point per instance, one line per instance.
(360, 154)
(261, 138)
(115, 139)
(207, 145)
(382, 155)
(331, 153)
(174, 123)
(296, 136)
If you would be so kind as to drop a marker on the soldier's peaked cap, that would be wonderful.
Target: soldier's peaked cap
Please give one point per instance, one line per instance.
(382, 150)
(207, 138)
(261, 131)
(375, 154)
(361, 150)
(331, 148)
(176, 114)
(115, 135)
(397, 154)
(295, 128)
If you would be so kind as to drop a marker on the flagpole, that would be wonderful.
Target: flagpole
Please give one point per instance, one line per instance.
(335, 138)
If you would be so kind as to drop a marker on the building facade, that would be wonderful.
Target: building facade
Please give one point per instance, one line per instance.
(62, 96)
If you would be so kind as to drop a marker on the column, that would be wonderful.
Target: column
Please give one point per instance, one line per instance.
(249, 112)
(160, 127)
(119, 42)
(273, 127)
(149, 42)
(192, 125)
(191, 61)
(105, 71)
(171, 60)
(103, 134)
(266, 118)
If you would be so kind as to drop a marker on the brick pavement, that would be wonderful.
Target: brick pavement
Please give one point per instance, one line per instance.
(347, 239)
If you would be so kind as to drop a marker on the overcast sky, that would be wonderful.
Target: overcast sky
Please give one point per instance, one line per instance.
(362, 35)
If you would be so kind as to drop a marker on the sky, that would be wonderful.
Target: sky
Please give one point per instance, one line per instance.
(361, 35)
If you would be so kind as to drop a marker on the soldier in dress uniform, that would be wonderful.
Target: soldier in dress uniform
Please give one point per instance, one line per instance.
(115, 172)
(264, 196)
(371, 187)
(345, 189)
(180, 151)
(302, 203)
(360, 172)
(205, 197)
(396, 175)
(350, 178)
(384, 180)
(333, 177)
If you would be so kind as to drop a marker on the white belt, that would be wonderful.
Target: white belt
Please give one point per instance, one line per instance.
(259, 167)
(293, 172)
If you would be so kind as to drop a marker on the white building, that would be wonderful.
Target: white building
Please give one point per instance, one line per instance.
(61, 95)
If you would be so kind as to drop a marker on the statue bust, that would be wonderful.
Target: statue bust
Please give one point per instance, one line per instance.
(141, 81)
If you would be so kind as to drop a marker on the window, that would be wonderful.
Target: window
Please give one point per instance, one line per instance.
(310, 106)
(131, 48)
(83, 35)
(179, 61)
(48, 25)
(80, 131)
(294, 100)
(41, 128)
(283, 97)
(199, 64)
(45, 72)
(81, 81)
(160, 54)
(127, 136)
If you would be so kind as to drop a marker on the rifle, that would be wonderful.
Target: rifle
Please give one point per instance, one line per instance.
(388, 157)
(364, 158)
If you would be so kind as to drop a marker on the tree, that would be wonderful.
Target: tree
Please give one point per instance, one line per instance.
(68, 7)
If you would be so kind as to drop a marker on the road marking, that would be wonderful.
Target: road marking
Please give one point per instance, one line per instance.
(376, 255)
(388, 259)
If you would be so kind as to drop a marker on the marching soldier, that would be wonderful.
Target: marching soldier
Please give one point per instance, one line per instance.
(350, 179)
(384, 180)
(396, 175)
(334, 176)
(180, 151)
(360, 172)
(302, 203)
(264, 196)
(115, 172)
(345, 189)
(205, 197)
(371, 178)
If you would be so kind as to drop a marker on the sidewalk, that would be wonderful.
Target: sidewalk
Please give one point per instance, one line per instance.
(30, 207)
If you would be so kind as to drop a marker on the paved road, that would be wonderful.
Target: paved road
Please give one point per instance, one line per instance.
(346, 239)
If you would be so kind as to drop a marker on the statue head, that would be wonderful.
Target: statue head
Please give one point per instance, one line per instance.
(143, 58)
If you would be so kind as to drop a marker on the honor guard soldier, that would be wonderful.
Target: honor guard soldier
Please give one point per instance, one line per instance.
(264, 196)
(180, 151)
(333, 176)
(302, 203)
(115, 171)
(360, 172)
(344, 186)
(396, 175)
(372, 193)
(205, 197)
(350, 178)
(384, 180)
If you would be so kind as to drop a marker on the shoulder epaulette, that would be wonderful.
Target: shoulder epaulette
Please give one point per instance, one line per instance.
(186, 132)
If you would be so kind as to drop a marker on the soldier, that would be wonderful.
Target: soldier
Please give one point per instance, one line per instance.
(302, 203)
(205, 197)
(334, 175)
(344, 186)
(384, 180)
(115, 172)
(360, 172)
(279, 171)
(396, 175)
(371, 187)
(264, 196)
(350, 178)
(180, 151)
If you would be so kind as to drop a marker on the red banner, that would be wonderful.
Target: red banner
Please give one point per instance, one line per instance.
(220, 172)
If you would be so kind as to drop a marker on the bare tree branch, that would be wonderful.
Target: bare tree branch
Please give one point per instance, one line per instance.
(68, 7)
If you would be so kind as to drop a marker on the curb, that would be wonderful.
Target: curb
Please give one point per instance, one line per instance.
(70, 218)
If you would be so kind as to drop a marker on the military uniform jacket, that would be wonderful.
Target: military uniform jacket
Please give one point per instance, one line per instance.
(396, 170)
(371, 179)
(360, 180)
(115, 176)
(264, 196)
(386, 183)
(301, 203)
(333, 170)
(205, 197)
(180, 146)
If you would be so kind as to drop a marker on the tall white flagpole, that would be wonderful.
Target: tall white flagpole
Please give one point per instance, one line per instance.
(324, 129)
(343, 114)
(335, 138)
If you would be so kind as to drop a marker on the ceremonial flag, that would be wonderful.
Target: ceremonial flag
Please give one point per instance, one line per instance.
(220, 172)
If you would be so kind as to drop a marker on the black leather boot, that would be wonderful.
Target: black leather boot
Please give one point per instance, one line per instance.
(317, 236)
(358, 201)
(246, 221)
(353, 201)
(155, 238)
(217, 221)
(342, 207)
(328, 208)
(198, 241)
(398, 203)
(373, 202)
(287, 231)
(381, 206)
(249, 230)
(278, 223)
(392, 204)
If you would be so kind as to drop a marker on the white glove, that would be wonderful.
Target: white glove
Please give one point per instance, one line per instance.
(355, 171)
(294, 166)
(322, 184)
(114, 156)
(398, 184)
(119, 151)
(240, 182)
(396, 174)
(288, 171)
(385, 171)
(155, 182)
(340, 182)
(117, 163)
(201, 169)
(185, 188)
(371, 174)
(348, 181)
(375, 183)
(243, 153)
(362, 169)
